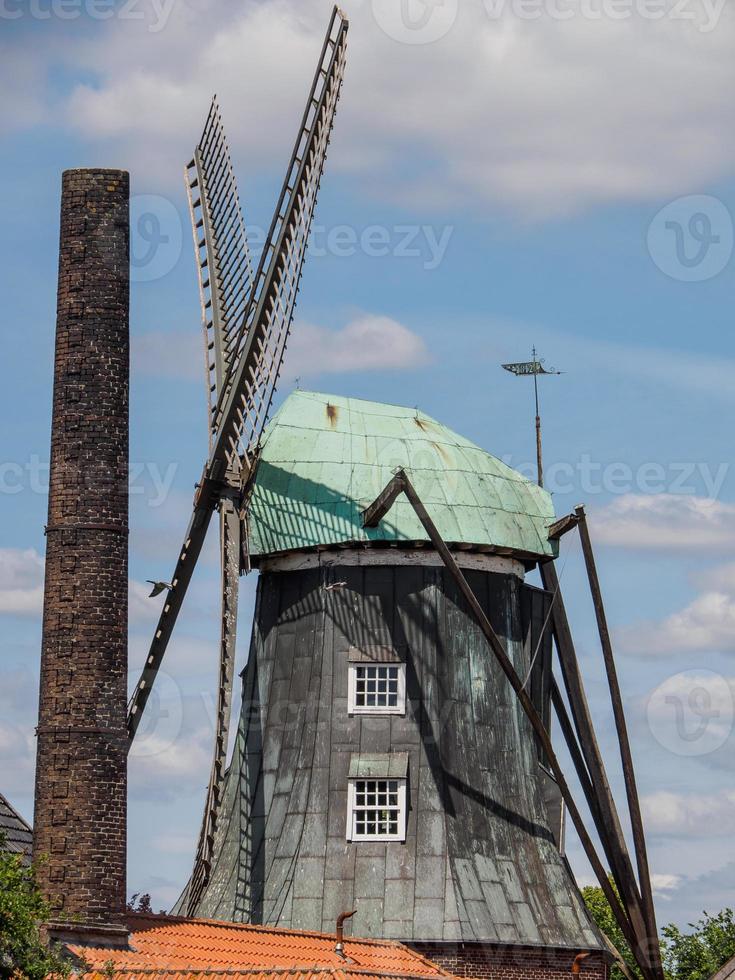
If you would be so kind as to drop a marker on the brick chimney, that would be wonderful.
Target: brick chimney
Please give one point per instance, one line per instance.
(81, 766)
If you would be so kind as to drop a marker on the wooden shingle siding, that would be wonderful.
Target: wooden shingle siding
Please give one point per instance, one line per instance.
(479, 861)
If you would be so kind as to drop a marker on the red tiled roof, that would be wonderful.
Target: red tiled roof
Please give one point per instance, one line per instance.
(315, 973)
(178, 949)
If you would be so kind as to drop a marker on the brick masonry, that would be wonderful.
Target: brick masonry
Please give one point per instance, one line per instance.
(488, 962)
(81, 785)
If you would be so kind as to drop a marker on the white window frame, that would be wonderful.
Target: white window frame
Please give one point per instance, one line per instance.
(354, 708)
(352, 809)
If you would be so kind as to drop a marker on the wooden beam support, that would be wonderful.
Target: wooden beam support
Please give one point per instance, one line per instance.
(391, 493)
(374, 514)
(609, 829)
(560, 527)
(626, 756)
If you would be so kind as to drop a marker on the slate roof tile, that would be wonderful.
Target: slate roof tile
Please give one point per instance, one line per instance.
(17, 832)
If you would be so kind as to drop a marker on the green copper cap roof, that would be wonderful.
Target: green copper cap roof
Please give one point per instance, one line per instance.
(325, 458)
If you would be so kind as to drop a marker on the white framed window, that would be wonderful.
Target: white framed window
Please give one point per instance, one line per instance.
(376, 809)
(376, 688)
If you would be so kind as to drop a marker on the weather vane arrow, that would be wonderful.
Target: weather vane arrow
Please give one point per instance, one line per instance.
(533, 368)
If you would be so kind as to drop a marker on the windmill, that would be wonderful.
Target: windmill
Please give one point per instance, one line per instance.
(246, 316)
(388, 755)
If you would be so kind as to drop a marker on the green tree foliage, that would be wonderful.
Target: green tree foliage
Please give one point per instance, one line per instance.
(599, 909)
(22, 909)
(140, 903)
(694, 955)
(698, 954)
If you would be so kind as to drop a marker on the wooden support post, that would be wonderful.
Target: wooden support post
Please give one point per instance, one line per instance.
(562, 526)
(609, 829)
(626, 757)
(567, 730)
(401, 483)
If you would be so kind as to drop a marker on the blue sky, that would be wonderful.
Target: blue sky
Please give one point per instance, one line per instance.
(497, 179)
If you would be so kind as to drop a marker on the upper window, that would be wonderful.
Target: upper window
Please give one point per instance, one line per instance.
(375, 688)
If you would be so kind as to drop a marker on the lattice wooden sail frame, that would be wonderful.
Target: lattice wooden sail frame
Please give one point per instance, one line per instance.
(224, 264)
(251, 357)
(251, 379)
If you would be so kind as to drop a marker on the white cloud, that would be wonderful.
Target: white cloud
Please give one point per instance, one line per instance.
(679, 815)
(667, 522)
(21, 587)
(665, 884)
(21, 581)
(706, 624)
(368, 343)
(169, 768)
(526, 114)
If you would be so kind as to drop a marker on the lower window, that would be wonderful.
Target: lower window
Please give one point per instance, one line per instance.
(376, 809)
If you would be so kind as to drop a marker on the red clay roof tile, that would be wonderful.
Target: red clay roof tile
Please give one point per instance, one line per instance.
(181, 949)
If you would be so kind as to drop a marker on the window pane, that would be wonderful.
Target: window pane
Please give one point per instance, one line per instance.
(377, 813)
(376, 686)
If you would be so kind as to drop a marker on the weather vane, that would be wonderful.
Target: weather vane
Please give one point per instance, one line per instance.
(534, 367)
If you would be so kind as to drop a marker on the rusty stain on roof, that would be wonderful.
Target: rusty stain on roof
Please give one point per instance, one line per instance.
(324, 458)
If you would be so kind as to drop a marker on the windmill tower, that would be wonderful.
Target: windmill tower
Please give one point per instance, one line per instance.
(381, 762)
(392, 752)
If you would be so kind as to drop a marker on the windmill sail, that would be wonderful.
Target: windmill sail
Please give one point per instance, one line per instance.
(252, 369)
(230, 535)
(252, 359)
(251, 380)
(225, 273)
(224, 266)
